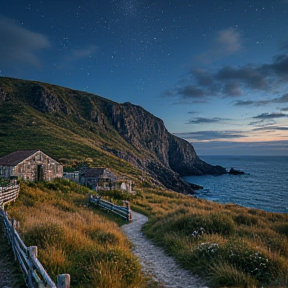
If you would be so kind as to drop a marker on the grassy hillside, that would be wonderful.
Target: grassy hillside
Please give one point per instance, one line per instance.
(70, 133)
(74, 126)
(67, 138)
(74, 238)
(229, 245)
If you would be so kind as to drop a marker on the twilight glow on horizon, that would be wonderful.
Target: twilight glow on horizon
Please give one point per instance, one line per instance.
(216, 72)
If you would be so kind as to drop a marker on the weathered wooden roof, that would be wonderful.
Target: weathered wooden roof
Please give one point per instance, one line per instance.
(16, 157)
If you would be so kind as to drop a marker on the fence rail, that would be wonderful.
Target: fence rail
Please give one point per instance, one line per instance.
(122, 211)
(8, 194)
(34, 274)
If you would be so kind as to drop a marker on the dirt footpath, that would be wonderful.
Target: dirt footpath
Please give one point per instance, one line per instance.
(10, 274)
(154, 261)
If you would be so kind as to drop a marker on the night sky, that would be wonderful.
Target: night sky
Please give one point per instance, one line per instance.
(215, 71)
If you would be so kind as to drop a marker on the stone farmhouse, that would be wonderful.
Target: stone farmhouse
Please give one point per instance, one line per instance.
(32, 165)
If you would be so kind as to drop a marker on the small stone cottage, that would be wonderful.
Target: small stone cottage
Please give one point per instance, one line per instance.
(32, 165)
(99, 179)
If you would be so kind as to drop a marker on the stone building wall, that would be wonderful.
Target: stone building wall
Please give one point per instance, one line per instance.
(36, 167)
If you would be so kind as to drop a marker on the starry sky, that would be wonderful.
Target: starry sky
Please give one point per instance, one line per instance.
(216, 72)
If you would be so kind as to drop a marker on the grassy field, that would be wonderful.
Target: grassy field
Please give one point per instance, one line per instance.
(228, 245)
(73, 238)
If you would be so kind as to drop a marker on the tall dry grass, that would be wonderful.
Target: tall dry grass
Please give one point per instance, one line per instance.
(72, 238)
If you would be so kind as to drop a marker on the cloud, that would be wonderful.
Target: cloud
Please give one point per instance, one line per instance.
(234, 81)
(249, 76)
(244, 103)
(202, 77)
(284, 109)
(279, 67)
(270, 116)
(227, 41)
(191, 91)
(273, 128)
(84, 52)
(211, 135)
(201, 120)
(20, 46)
(263, 122)
(229, 147)
(284, 44)
(232, 89)
(281, 100)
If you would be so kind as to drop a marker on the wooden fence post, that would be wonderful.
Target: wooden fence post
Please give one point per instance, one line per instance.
(129, 215)
(12, 233)
(32, 251)
(63, 281)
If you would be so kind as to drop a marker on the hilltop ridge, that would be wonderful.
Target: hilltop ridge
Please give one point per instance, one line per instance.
(75, 125)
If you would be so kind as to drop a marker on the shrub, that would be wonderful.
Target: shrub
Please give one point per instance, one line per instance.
(45, 234)
(245, 219)
(281, 228)
(212, 223)
(248, 260)
(208, 250)
(116, 194)
(103, 237)
(221, 224)
(225, 275)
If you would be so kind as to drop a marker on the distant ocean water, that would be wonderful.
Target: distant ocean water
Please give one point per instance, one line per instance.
(264, 186)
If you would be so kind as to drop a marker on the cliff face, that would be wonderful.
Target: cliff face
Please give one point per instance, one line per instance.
(147, 132)
(142, 130)
(143, 139)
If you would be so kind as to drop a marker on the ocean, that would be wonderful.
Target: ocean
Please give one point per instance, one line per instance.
(263, 186)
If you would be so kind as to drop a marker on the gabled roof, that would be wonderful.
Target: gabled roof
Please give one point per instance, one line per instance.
(99, 172)
(16, 157)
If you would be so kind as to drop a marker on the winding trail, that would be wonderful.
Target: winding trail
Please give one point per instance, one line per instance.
(10, 274)
(155, 262)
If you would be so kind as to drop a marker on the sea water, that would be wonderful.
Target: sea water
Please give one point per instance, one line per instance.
(264, 184)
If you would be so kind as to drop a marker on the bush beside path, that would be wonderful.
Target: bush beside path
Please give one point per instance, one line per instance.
(155, 263)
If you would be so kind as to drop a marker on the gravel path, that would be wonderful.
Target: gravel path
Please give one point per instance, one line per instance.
(10, 274)
(154, 261)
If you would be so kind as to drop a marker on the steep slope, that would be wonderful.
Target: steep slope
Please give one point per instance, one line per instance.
(76, 125)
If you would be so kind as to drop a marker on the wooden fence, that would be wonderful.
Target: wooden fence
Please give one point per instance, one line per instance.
(34, 274)
(8, 194)
(122, 211)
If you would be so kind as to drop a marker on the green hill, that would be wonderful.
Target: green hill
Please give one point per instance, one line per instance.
(74, 126)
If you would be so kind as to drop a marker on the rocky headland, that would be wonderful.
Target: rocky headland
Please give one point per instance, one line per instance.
(126, 131)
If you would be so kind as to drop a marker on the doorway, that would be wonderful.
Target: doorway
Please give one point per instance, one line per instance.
(40, 173)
